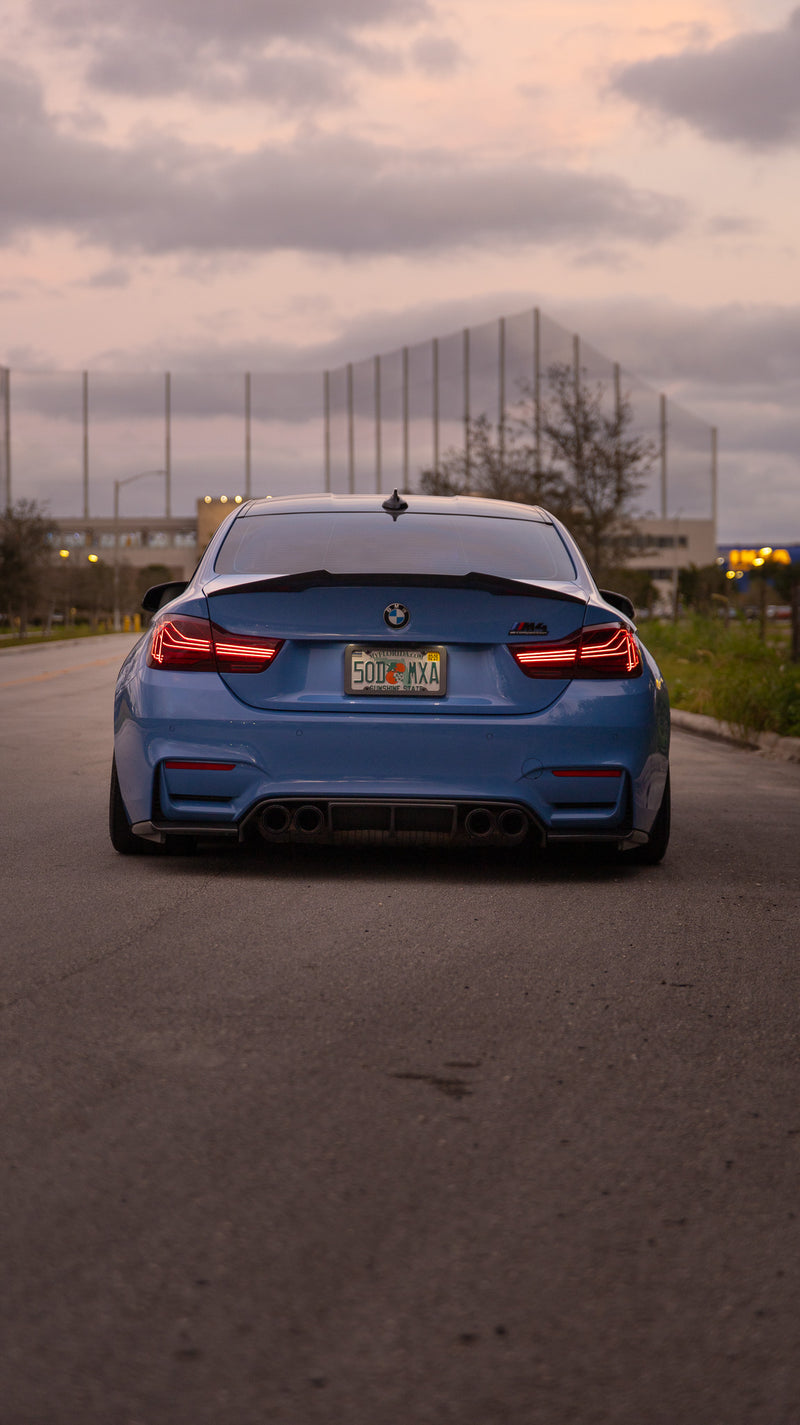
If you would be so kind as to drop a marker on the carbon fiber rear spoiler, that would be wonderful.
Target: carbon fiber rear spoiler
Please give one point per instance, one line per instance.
(322, 579)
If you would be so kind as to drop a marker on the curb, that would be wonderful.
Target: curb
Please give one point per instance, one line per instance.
(769, 744)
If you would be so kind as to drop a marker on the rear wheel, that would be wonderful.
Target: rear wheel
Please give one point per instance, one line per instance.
(653, 852)
(122, 838)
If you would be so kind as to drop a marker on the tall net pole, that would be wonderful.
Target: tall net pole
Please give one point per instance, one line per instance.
(501, 390)
(351, 434)
(85, 416)
(714, 480)
(435, 405)
(167, 443)
(378, 426)
(662, 423)
(467, 416)
(5, 448)
(326, 403)
(405, 419)
(537, 388)
(247, 437)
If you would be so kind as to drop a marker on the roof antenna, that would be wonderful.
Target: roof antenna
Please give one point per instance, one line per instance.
(395, 505)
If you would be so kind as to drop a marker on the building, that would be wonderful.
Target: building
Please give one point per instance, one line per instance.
(175, 542)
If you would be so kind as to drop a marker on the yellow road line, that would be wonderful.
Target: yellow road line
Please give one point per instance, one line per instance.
(57, 672)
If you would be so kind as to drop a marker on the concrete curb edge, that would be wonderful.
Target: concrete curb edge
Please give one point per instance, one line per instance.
(782, 749)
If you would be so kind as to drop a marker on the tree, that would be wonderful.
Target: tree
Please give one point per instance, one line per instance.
(636, 584)
(701, 587)
(494, 462)
(600, 461)
(25, 552)
(587, 471)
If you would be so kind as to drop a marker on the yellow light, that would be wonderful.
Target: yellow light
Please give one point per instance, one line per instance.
(766, 551)
(758, 561)
(237, 499)
(93, 558)
(730, 574)
(207, 499)
(223, 499)
(64, 553)
(740, 573)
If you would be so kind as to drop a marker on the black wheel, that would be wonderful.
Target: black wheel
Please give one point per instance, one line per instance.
(653, 852)
(119, 828)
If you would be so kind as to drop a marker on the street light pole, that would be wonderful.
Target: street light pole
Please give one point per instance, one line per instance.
(117, 485)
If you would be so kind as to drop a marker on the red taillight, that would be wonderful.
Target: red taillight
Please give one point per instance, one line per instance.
(182, 643)
(194, 645)
(604, 651)
(239, 654)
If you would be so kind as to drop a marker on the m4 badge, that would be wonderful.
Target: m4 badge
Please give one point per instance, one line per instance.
(529, 628)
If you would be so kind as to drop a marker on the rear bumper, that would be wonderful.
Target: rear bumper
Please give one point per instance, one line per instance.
(376, 822)
(387, 760)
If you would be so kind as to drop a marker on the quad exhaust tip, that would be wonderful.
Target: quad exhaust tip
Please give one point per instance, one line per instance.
(308, 821)
(480, 823)
(278, 822)
(374, 821)
(485, 824)
(512, 824)
(275, 820)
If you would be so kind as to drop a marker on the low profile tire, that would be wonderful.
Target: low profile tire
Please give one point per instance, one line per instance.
(654, 851)
(119, 828)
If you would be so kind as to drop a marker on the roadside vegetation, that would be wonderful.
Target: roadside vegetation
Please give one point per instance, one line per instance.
(730, 673)
(50, 591)
(39, 634)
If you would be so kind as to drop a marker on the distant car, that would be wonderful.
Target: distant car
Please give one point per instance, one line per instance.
(412, 670)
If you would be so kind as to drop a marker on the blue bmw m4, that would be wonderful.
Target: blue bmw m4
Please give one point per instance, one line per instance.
(425, 670)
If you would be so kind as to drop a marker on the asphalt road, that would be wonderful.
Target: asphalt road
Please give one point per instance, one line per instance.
(392, 1139)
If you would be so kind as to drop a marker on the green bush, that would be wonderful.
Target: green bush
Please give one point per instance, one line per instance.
(730, 673)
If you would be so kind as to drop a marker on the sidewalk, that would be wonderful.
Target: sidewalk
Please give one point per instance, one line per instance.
(769, 744)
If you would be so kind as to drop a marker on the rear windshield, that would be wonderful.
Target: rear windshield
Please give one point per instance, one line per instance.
(368, 543)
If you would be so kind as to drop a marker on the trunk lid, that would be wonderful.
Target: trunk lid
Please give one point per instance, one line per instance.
(472, 618)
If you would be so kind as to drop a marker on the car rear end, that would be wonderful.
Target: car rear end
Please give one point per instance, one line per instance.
(446, 673)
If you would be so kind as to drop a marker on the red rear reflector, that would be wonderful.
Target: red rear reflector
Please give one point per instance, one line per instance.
(194, 645)
(602, 651)
(583, 772)
(200, 766)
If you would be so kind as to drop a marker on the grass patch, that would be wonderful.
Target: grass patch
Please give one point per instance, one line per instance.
(35, 637)
(731, 674)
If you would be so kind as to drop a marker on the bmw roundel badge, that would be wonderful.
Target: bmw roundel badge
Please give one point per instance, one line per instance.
(396, 616)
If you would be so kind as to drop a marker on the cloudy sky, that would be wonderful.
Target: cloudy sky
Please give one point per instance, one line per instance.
(283, 184)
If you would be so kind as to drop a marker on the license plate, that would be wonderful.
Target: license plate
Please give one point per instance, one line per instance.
(396, 672)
